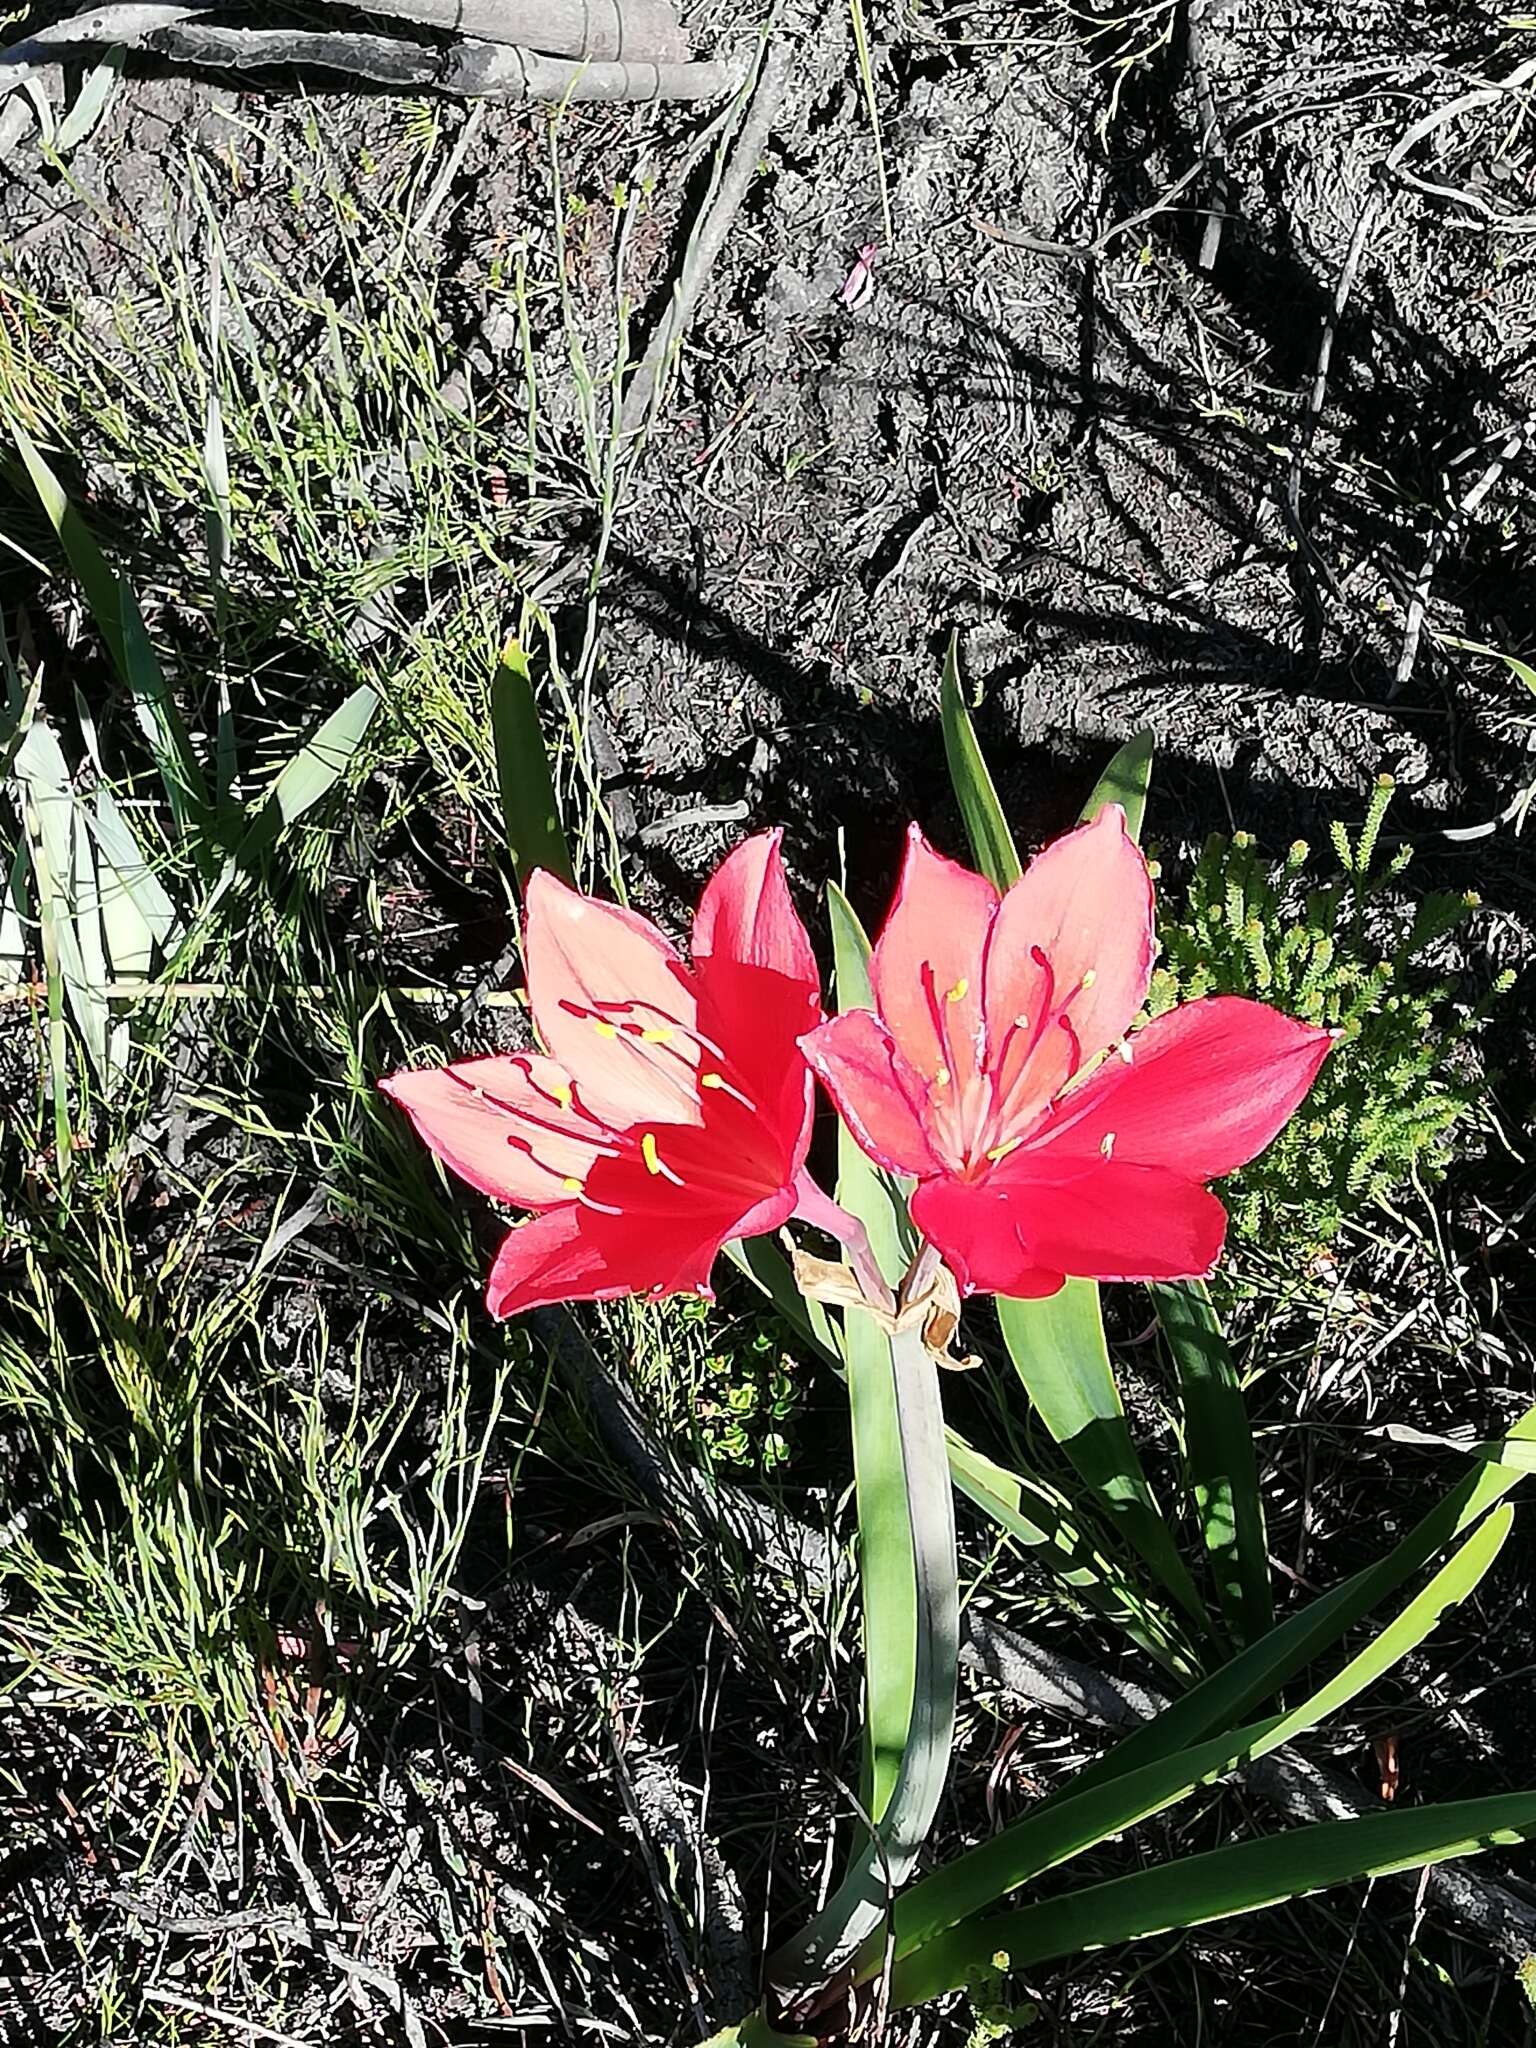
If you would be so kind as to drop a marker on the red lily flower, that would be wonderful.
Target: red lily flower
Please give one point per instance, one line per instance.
(671, 1109)
(981, 1073)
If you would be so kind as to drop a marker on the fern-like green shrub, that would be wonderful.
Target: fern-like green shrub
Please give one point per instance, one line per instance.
(1344, 954)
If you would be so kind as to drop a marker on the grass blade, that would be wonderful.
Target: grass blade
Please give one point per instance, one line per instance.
(1216, 1886)
(985, 826)
(312, 773)
(534, 835)
(1078, 1820)
(1218, 1446)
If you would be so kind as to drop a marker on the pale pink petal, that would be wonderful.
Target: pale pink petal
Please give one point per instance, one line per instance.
(613, 1004)
(1068, 963)
(506, 1124)
(926, 970)
(877, 1094)
(1207, 1086)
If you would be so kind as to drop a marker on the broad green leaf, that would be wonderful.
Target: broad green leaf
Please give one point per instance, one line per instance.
(1078, 1819)
(528, 802)
(312, 773)
(1216, 1886)
(985, 826)
(1229, 1693)
(13, 943)
(101, 81)
(100, 586)
(136, 913)
(884, 1860)
(1058, 1350)
(68, 893)
(1125, 782)
(1218, 1447)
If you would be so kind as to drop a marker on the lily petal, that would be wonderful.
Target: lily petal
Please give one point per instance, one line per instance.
(746, 914)
(614, 1004)
(507, 1125)
(758, 986)
(926, 969)
(1013, 1232)
(560, 1256)
(876, 1092)
(1207, 1087)
(1069, 961)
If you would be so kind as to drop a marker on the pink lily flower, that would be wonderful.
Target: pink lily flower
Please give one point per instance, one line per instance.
(670, 1109)
(996, 1070)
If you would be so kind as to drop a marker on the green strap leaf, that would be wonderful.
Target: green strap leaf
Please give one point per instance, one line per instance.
(1079, 1819)
(1218, 1447)
(1223, 1698)
(985, 825)
(528, 805)
(1216, 1886)
(1125, 782)
(887, 1587)
(1058, 1350)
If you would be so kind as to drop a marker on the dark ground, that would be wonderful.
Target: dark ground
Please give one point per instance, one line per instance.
(1082, 463)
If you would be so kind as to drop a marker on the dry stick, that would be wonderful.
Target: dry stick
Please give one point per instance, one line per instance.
(128, 24)
(1213, 146)
(709, 236)
(471, 70)
(1413, 627)
(1030, 1671)
(601, 31)
(1487, 95)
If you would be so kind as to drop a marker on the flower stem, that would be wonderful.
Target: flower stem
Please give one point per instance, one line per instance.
(817, 1208)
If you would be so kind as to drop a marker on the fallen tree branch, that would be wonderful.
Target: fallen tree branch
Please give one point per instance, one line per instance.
(709, 235)
(597, 31)
(468, 69)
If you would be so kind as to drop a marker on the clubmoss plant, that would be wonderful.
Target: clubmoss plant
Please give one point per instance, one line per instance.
(1347, 954)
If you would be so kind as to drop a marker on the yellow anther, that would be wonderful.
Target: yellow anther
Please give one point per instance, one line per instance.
(1089, 978)
(711, 1080)
(1021, 1022)
(941, 1077)
(1107, 1144)
(562, 1093)
(648, 1153)
(656, 1036)
(958, 992)
(571, 1185)
(1002, 1151)
(604, 1029)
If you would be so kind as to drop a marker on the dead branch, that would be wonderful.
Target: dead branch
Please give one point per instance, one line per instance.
(467, 69)
(597, 31)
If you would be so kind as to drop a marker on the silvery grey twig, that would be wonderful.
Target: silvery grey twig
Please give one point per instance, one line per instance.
(602, 31)
(469, 69)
